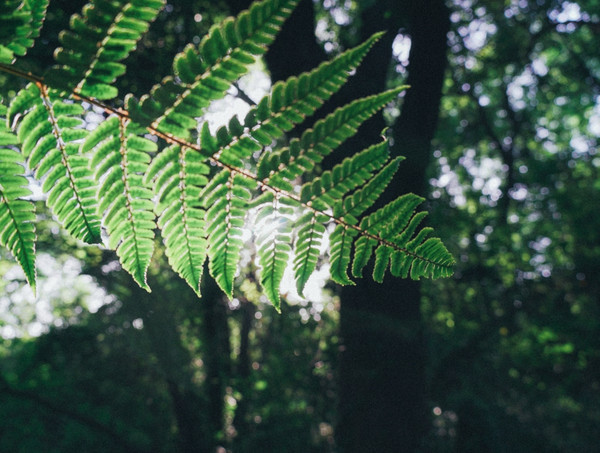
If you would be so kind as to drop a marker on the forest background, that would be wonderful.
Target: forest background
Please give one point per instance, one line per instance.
(500, 130)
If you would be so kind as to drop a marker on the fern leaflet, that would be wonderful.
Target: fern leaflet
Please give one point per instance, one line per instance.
(289, 103)
(17, 217)
(105, 33)
(179, 174)
(121, 159)
(207, 72)
(274, 226)
(226, 200)
(50, 132)
(21, 23)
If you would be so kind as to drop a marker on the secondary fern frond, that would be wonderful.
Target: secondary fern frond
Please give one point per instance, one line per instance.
(290, 102)
(17, 217)
(405, 252)
(179, 173)
(349, 209)
(50, 132)
(21, 22)
(208, 71)
(120, 159)
(102, 36)
(280, 168)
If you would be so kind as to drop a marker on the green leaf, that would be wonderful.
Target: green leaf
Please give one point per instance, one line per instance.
(225, 200)
(281, 167)
(209, 70)
(104, 34)
(121, 158)
(274, 224)
(50, 135)
(179, 174)
(17, 217)
(277, 113)
(307, 247)
(21, 23)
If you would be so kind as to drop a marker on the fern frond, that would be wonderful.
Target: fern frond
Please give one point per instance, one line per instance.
(199, 216)
(290, 102)
(274, 224)
(102, 36)
(322, 194)
(17, 217)
(120, 161)
(50, 132)
(208, 71)
(179, 174)
(21, 23)
(280, 168)
(226, 200)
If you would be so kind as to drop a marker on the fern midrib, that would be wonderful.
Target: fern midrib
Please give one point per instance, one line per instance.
(24, 75)
(169, 138)
(184, 204)
(128, 200)
(273, 257)
(63, 153)
(229, 198)
(305, 261)
(30, 271)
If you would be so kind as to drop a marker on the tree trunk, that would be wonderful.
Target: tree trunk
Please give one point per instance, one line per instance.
(383, 401)
(216, 349)
(244, 370)
(382, 387)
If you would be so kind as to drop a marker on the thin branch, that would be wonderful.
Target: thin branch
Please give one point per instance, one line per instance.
(243, 95)
(17, 72)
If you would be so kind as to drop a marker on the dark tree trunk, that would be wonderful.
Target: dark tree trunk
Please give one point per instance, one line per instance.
(243, 369)
(382, 384)
(295, 50)
(383, 402)
(215, 336)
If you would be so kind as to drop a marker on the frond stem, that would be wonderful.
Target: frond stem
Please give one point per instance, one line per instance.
(22, 74)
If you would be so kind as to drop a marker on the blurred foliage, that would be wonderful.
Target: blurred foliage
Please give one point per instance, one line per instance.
(514, 336)
(514, 350)
(130, 375)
